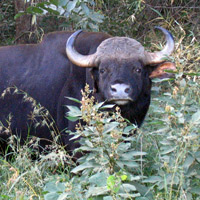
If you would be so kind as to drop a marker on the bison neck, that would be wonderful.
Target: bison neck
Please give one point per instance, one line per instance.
(135, 112)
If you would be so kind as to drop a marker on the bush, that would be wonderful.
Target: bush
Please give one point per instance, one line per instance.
(7, 23)
(159, 162)
(111, 165)
(172, 138)
(73, 14)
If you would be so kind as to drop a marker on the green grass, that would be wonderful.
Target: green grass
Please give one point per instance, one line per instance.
(164, 162)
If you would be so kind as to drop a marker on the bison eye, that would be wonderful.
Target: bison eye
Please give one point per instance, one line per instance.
(138, 70)
(102, 71)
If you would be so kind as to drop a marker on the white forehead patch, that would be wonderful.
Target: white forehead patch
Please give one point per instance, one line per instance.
(121, 47)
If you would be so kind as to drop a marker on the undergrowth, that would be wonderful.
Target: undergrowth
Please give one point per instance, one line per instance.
(160, 161)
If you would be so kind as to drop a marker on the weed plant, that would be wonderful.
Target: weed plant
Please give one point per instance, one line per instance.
(159, 161)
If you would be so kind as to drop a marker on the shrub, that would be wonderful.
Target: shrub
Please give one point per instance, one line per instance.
(173, 142)
(111, 163)
(7, 23)
(74, 14)
(161, 161)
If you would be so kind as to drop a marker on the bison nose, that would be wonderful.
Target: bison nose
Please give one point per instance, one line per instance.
(120, 90)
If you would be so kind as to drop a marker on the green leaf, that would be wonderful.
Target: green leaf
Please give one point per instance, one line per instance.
(73, 99)
(5, 197)
(131, 164)
(63, 196)
(129, 128)
(195, 190)
(141, 198)
(108, 106)
(74, 111)
(137, 153)
(153, 179)
(73, 119)
(43, 5)
(85, 9)
(183, 83)
(86, 148)
(188, 162)
(74, 137)
(129, 196)
(124, 177)
(99, 179)
(128, 187)
(113, 183)
(123, 147)
(167, 150)
(83, 166)
(88, 143)
(192, 74)
(99, 105)
(166, 142)
(54, 2)
(144, 191)
(158, 80)
(51, 196)
(120, 164)
(63, 2)
(126, 156)
(180, 117)
(71, 5)
(19, 15)
(110, 127)
(96, 191)
(195, 118)
(107, 198)
(54, 187)
(96, 17)
(197, 155)
(93, 26)
(34, 10)
(156, 11)
(52, 11)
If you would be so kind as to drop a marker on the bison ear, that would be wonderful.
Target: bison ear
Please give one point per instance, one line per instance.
(95, 77)
(159, 70)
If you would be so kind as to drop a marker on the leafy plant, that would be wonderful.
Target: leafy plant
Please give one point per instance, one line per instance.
(161, 162)
(176, 141)
(111, 165)
(7, 22)
(77, 13)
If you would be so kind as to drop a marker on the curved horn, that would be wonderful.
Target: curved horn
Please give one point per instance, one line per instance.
(158, 56)
(75, 57)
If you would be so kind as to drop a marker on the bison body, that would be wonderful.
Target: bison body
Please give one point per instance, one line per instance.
(48, 75)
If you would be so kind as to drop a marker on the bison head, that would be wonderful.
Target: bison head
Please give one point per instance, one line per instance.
(121, 67)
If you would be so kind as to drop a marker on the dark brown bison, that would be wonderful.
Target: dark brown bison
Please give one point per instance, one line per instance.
(118, 68)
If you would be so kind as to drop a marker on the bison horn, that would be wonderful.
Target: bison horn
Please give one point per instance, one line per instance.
(157, 57)
(75, 57)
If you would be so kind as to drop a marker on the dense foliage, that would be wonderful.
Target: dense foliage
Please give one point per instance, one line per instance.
(158, 161)
(7, 23)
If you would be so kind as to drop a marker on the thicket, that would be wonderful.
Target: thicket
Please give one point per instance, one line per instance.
(160, 161)
(7, 22)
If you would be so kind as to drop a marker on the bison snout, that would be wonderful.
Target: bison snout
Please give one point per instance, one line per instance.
(120, 91)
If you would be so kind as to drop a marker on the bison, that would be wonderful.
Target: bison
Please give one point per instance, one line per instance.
(118, 68)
